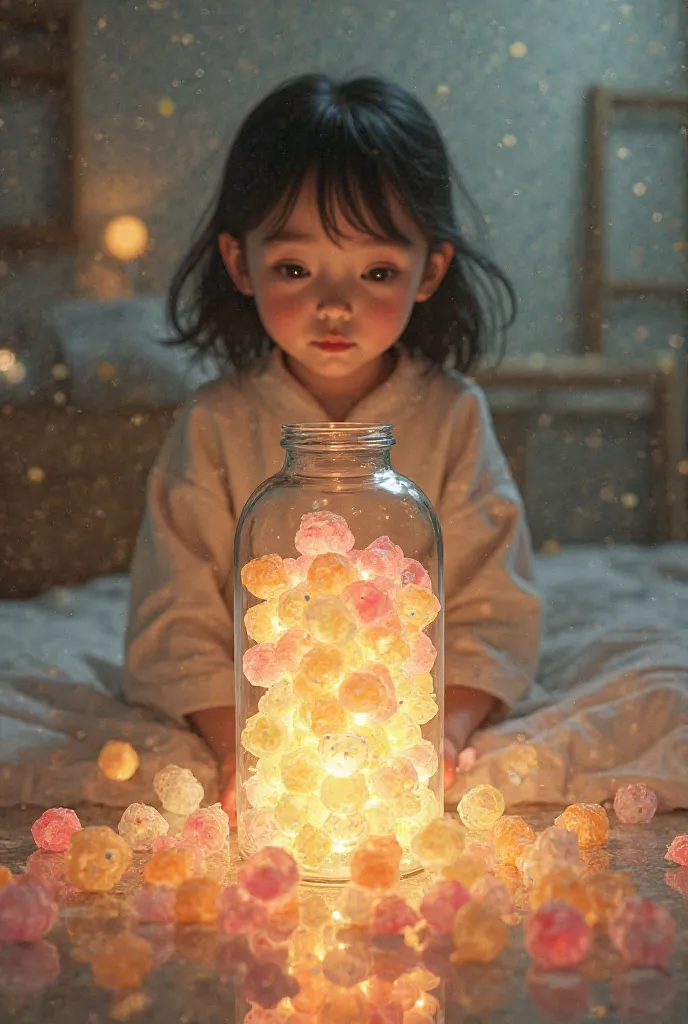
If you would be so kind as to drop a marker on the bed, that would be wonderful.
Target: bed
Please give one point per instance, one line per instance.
(610, 703)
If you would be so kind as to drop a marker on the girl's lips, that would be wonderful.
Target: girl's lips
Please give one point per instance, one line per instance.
(334, 345)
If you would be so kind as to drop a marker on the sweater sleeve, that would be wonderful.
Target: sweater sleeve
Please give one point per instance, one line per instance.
(179, 642)
(492, 607)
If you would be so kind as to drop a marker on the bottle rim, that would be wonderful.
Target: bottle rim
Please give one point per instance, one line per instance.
(336, 436)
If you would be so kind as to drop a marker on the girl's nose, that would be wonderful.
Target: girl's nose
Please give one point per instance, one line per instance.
(334, 306)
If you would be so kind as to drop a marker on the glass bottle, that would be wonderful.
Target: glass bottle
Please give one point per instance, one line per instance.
(338, 652)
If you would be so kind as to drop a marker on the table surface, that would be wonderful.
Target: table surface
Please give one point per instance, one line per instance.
(186, 987)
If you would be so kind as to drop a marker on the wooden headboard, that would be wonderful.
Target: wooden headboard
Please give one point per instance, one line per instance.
(72, 483)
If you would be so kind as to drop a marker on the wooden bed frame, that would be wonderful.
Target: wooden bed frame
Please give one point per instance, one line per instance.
(72, 482)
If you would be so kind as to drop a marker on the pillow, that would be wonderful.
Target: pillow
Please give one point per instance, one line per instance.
(115, 354)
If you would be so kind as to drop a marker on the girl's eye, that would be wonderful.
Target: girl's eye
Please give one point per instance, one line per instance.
(292, 271)
(381, 275)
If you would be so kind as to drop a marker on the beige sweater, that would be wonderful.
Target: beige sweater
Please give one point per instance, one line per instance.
(226, 442)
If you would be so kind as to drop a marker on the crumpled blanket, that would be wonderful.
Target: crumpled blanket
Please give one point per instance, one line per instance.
(609, 706)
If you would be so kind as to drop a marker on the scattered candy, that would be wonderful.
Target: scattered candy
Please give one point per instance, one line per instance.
(557, 935)
(269, 874)
(440, 904)
(208, 829)
(53, 830)
(438, 844)
(239, 912)
(643, 932)
(169, 868)
(97, 858)
(122, 963)
(511, 836)
(479, 933)
(155, 904)
(479, 808)
(376, 863)
(678, 851)
(141, 825)
(346, 967)
(196, 901)
(635, 804)
(587, 821)
(391, 915)
(118, 761)
(27, 911)
(178, 789)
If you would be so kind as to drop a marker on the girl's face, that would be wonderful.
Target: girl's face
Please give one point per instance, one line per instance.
(334, 307)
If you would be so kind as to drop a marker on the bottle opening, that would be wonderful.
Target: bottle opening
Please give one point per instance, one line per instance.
(336, 437)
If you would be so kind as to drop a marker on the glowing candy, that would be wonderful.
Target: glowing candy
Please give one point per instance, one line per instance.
(587, 821)
(260, 665)
(368, 602)
(344, 794)
(394, 778)
(261, 623)
(346, 830)
(417, 607)
(178, 789)
(302, 770)
(344, 753)
(313, 846)
(413, 572)
(346, 967)
(97, 858)
(423, 655)
(118, 761)
(511, 836)
(329, 621)
(384, 644)
(263, 737)
(319, 672)
(479, 808)
(330, 574)
(321, 532)
(53, 830)
(376, 863)
(635, 804)
(369, 692)
(265, 577)
(325, 715)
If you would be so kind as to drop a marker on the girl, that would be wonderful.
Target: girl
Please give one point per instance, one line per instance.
(332, 281)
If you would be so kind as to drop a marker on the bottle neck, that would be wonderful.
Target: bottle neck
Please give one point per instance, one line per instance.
(336, 449)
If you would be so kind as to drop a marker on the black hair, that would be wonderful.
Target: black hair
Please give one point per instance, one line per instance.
(362, 139)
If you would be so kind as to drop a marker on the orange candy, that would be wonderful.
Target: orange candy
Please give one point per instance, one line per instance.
(5, 876)
(169, 867)
(587, 821)
(510, 837)
(376, 863)
(479, 934)
(122, 963)
(565, 885)
(196, 901)
(606, 890)
(265, 577)
(330, 574)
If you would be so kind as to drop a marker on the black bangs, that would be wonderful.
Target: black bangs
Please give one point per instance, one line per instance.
(363, 144)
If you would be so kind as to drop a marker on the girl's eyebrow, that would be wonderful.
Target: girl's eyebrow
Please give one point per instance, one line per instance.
(291, 235)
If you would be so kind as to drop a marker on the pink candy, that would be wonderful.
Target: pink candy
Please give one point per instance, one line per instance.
(321, 532)
(269, 874)
(678, 851)
(382, 557)
(643, 933)
(368, 601)
(392, 914)
(261, 667)
(289, 650)
(27, 911)
(635, 804)
(55, 827)
(557, 935)
(155, 904)
(423, 655)
(440, 903)
(413, 572)
(207, 828)
(240, 913)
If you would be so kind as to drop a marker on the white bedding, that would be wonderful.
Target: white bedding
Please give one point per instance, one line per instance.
(610, 705)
